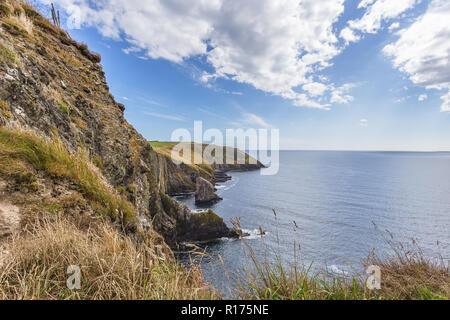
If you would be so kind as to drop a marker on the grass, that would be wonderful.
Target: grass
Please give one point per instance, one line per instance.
(5, 10)
(7, 54)
(21, 151)
(64, 108)
(112, 265)
(405, 275)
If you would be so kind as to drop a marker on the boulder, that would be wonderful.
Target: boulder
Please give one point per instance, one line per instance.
(205, 192)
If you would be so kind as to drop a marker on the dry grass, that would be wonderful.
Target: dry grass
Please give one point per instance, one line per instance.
(407, 274)
(24, 22)
(112, 265)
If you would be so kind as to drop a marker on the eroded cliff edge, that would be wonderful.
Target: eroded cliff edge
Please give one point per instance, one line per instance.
(56, 87)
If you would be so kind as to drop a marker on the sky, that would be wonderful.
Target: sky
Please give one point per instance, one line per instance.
(329, 74)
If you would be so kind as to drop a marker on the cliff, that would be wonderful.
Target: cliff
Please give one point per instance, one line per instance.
(55, 86)
(182, 178)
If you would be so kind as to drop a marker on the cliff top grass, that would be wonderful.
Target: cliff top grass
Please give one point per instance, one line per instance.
(22, 151)
(166, 148)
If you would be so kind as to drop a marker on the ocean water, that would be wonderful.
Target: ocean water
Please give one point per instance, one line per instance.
(336, 199)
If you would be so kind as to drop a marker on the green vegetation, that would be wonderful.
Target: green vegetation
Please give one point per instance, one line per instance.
(406, 275)
(7, 54)
(4, 109)
(4, 10)
(20, 150)
(64, 108)
(98, 162)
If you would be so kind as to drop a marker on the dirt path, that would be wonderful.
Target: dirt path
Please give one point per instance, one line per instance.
(9, 218)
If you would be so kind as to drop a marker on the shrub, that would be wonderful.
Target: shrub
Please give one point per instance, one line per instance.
(4, 10)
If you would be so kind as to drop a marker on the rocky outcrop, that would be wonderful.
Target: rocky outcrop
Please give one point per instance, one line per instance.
(205, 192)
(51, 84)
(220, 176)
(191, 226)
(205, 226)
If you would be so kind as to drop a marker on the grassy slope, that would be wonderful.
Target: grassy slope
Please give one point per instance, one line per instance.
(20, 150)
(114, 266)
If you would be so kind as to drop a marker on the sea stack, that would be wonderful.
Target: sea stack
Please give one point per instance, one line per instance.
(205, 192)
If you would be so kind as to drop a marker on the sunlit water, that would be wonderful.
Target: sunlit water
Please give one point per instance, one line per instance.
(335, 198)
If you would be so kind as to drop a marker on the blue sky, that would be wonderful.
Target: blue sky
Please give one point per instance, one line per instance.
(358, 75)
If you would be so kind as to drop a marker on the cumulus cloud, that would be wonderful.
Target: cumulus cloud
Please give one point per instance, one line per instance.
(423, 97)
(315, 88)
(376, 12)
(274, 45)
(349, 35)
(394, 26)
(340, 94)
(423, 50)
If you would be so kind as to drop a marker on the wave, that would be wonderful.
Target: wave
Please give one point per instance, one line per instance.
(253, 234)
(228, 185)
(336, 270)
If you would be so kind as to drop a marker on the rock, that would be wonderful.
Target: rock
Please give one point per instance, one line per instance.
(205, 226)
(205, 192)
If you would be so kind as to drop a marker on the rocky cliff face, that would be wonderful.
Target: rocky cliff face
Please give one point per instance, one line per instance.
(56, 86)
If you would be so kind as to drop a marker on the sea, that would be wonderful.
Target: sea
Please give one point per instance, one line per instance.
(327, 211)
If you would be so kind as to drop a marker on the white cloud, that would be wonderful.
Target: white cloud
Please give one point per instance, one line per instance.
(251, 120)
(394, 26)
(340, 94)
(164, 116)
(423, 97)
(376, 12)
(349, 35)
(273, 45)
(423, 50)
(315, 88)
(365, 3)
(381, 10)
(364, 123)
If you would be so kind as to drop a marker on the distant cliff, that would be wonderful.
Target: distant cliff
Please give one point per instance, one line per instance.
(182, 178)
